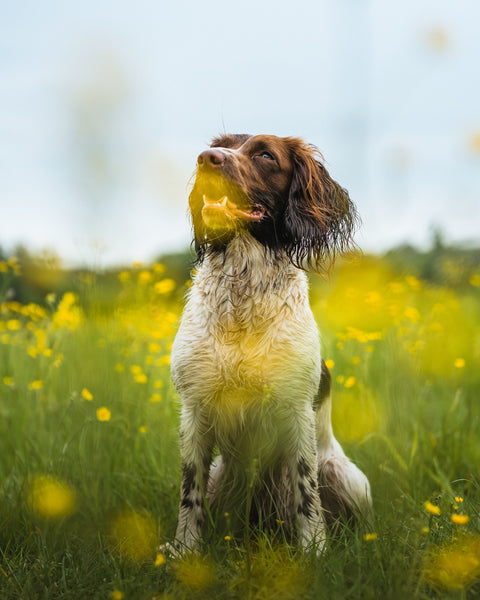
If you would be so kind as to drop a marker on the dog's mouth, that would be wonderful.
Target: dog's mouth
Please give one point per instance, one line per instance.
(216, 212)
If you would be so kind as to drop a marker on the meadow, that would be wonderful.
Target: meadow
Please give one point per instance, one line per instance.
(89, 448)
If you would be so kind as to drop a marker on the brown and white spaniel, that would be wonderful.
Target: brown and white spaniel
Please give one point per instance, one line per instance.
(256, 438)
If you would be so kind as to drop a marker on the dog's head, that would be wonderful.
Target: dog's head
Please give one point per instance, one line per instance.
(275, 188)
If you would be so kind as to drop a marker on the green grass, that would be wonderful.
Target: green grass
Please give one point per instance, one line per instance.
(406, 410)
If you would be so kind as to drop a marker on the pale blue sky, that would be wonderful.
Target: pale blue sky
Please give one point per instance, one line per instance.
(389, 92)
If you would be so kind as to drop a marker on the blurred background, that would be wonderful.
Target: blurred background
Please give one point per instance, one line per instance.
(104, 107)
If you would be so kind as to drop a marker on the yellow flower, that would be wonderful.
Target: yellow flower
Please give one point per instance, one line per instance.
(142, 429)
(330, 364)
(154, 347)
(475, 280)
(8, 381)
(455, 565)
(156, 398)
(35, 385)
(159, 559)
(133, 535)
(356, 360)
(124, 276)
(13, 324)
(412, 314)
(50, 298)
(350, 382)
(103, 414)
(3, 266)
(432, 508)
(87, 394)
(51, 498)
(370, 537)
(140, 378)
(117, 595)
(459, 363)
(158, 384)
(158, 268)
(119, 368)
(227, 537)
(163, 360)
(459, 519)
(195, 572)
(458, 499)
(144, 277)
(136, 369)
(165, 286)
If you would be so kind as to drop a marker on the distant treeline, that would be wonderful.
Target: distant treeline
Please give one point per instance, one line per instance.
(27, 277)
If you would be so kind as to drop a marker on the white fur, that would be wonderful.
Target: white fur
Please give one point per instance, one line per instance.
(246, 363)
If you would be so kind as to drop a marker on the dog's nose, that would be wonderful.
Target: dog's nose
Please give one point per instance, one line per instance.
(212, 157)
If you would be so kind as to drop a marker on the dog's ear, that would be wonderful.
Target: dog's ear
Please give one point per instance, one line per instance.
(319, 217)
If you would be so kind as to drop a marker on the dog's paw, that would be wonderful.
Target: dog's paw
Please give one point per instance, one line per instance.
(176, 549)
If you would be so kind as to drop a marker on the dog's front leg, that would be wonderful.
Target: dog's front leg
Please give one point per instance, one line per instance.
(196, 451)
(306, 499)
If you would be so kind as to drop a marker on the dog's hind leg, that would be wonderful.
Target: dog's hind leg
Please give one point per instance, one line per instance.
(344, 488)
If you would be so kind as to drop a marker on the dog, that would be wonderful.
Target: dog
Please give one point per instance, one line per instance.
(246, 360)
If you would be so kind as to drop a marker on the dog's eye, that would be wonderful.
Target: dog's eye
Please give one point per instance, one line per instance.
(267, 155)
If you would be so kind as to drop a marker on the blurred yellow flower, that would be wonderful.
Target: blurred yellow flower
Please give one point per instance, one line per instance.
(35, 385)
(141, 378)
(68, 314)
(142, 429)
(164, 360)
(475, 142)
(432, 508)
(154, 347)
(475, 280)
(195, 572)
(350, 382)
(103, 414)
(133, 535)
(459, 363)
(460, 519)
(3, 266)
(158, 384)
(51, 498)
(144, 277)
(87, 394)
(356, 360)
(124, 276)
(120, 368)
(8, 381)
(158, 268)
(117, 595)
(330, 364)
(159, 559)
(370, 537)
(458, 499)
(165, 286)
(455, 565)
(13, 324)
(156, 398)
(412, 314)
(136, 369)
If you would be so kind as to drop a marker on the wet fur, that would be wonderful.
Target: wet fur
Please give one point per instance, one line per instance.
(246, 360)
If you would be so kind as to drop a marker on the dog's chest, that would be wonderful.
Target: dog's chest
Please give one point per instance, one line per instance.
(242, 337)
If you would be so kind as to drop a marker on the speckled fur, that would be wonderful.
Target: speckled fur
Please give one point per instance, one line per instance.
(246, 363)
